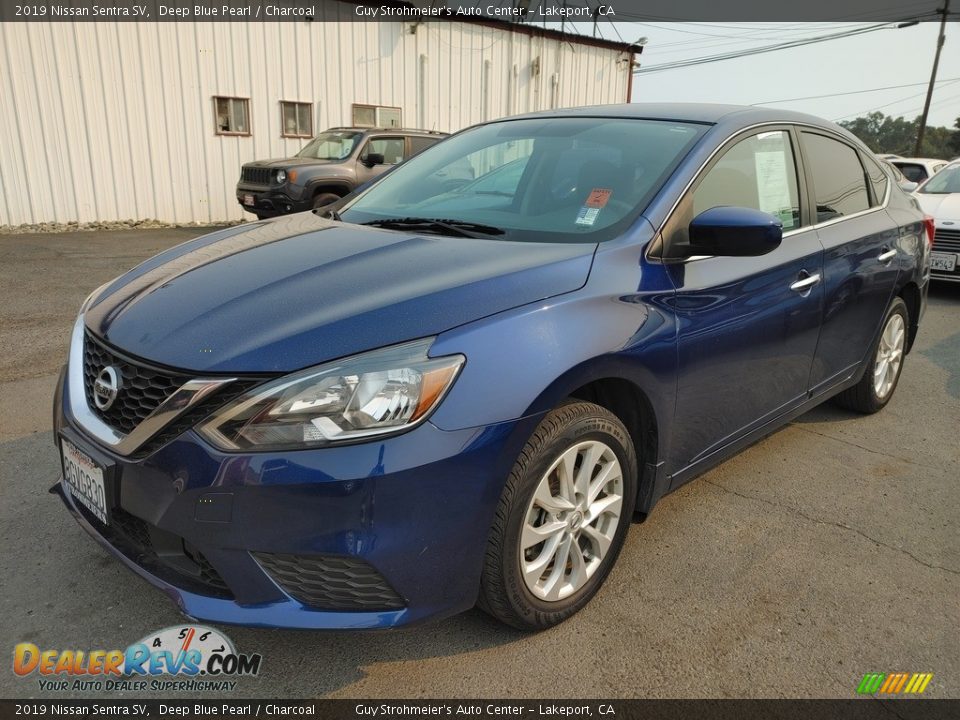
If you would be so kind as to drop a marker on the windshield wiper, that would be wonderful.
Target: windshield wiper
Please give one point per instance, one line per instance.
(461, 228)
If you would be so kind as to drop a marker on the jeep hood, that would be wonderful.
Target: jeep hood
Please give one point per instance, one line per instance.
(290, 162)
(285, 294)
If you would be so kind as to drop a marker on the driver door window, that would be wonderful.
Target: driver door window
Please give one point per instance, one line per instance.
(758, 172)
(391, 149)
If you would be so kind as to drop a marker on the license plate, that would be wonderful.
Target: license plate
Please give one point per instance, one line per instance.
(248, 200)
(943, 261)
(84, 479)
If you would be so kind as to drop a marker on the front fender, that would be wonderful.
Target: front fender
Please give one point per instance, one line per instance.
(525, 361)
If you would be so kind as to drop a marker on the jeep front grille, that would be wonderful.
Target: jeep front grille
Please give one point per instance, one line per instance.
(256, 175)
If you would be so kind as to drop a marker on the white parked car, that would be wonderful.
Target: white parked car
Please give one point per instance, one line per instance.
(919, 169)
(940, 197)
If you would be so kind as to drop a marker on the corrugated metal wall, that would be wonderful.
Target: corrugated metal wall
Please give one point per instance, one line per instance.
(115, 121)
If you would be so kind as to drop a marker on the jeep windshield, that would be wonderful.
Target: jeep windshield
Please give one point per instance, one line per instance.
(568, 179)
(331, 145)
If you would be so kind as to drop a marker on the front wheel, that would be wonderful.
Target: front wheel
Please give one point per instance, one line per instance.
(562, 518)
(323, 199)
(882, 373)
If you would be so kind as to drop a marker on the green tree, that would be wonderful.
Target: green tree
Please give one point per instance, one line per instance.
(887, 134)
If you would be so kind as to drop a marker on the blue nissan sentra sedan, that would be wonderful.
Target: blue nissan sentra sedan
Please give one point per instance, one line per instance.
(460, 384)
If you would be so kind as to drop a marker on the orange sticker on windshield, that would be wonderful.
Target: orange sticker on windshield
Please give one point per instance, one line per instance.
(598, 197)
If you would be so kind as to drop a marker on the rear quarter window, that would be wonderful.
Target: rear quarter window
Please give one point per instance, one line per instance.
(878, 179)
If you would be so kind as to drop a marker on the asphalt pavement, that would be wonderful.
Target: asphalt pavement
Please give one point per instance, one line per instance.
(824, 552)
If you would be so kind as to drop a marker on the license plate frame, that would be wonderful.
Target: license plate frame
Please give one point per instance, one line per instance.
(943, 261)
(248, 200)
(88, 480)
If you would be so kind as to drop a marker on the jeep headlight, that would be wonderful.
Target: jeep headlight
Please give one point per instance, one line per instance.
(376, 393)
(280, 176)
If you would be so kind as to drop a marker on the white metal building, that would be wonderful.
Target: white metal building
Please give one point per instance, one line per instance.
(131, 121)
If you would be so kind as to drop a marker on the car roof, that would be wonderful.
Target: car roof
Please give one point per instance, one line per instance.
(413, 131)
(711, 113)
(929, 161)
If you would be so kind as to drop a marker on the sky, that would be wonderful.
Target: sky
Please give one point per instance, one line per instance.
(881, 59)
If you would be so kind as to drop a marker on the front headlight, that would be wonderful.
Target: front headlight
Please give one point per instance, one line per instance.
(280, 176)
(379, 392)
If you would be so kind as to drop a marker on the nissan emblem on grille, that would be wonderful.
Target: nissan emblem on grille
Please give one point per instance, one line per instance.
(106, 387)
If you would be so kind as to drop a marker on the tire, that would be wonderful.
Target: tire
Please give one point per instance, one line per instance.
(872, 393)
(568, 437)
(323, 199)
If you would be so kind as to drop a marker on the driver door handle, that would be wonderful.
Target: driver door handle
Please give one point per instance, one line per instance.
(805, 283)
(887, 256)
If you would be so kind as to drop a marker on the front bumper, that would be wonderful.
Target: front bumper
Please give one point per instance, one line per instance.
(204, 526)
(269, 202)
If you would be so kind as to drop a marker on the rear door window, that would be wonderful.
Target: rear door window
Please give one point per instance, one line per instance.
(419, 144)
(839, 181)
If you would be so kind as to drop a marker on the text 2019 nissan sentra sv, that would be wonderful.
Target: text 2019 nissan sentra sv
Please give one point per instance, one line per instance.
(436, 395)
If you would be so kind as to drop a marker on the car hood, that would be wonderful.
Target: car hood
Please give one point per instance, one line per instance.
(289, 162)
(942, 207)
(289, 293)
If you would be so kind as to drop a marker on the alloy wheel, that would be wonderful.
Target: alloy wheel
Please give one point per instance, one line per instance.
(889, 356)
(571, 520)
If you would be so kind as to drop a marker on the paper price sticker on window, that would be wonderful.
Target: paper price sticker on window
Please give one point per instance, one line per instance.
(598, 197)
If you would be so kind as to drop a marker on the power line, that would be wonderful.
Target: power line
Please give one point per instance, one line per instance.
(765, 49)
(895, 102)
(850, 92)
(905, 113)
(744, 38)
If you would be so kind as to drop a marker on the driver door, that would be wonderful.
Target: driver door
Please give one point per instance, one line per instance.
(747, 326)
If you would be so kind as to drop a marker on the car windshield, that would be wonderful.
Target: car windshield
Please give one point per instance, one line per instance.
(944, 182)
(539, 179)
(331, 145)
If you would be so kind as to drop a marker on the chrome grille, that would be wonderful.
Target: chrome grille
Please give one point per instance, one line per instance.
(946, 240)
(142, 389)
(256, 175)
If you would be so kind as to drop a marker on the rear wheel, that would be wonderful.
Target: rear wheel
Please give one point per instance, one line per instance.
(562, 518)
(880, 378)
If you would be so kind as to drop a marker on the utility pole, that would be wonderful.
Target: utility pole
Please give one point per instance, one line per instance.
(933, 77)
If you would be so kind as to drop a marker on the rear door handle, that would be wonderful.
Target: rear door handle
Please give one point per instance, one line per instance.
(887, 256)
(805, 283)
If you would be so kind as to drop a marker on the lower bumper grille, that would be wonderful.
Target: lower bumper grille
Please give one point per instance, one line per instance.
(327, 582)
(135, 538)
(946, 241)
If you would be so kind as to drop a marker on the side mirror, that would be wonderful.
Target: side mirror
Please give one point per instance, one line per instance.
(372, 159)
(908, 186)
(734, 232)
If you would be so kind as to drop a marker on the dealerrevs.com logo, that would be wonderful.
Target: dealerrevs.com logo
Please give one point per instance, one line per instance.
(184, 657)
